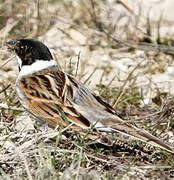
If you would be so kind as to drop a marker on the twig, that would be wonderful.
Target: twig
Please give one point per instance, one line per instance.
(141, 45)
(67, 127)
(150, 115)
(130, 43)
(101, 78)
(7, 61)
(110, 82)
(5, 30)
(122, 89)
(70, 63)
(158, 29)
(126, 7)
(131, 11)
(90, 75)
(145, 46)
(10, 108)
(4, 89)
(152, 167)
(77, 63)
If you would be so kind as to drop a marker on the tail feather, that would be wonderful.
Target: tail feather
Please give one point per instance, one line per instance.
(136, 133)
(146, 137)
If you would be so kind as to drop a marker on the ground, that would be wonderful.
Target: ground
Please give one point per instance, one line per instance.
(108, 46)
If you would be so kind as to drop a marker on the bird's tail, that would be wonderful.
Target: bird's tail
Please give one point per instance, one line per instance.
(118, 125)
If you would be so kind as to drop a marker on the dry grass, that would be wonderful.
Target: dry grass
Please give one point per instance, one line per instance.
(29, 150)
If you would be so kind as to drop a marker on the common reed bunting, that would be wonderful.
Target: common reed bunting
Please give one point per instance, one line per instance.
(58, 99)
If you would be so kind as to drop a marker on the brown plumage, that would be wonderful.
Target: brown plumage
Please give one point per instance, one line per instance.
(58, 99)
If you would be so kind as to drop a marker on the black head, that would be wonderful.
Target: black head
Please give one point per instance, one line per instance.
(29, 51)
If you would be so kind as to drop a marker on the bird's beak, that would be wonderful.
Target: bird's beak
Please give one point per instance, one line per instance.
(11, 45)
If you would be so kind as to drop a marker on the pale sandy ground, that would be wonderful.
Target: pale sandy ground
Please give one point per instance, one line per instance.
(122, 63)
(68, 47)
(66, 44)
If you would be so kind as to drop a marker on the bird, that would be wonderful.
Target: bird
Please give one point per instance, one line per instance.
(52, 96)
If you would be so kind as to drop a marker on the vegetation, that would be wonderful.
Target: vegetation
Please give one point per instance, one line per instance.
(99, 45)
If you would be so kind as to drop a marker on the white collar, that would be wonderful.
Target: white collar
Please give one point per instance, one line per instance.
(36, 66)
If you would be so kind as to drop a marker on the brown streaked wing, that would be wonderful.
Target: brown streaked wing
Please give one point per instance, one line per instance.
(33, 89)
(95, 109)
(48, 113)
(107, 106)
(43, 112)
(82, 108)
(45, 89)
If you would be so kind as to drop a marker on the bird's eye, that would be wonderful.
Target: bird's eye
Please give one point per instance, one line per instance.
(22, 47)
